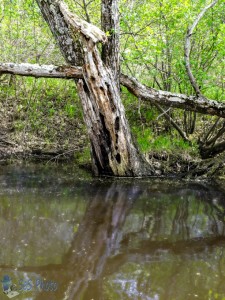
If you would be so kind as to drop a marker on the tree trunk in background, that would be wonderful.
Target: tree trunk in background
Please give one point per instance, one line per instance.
(111, 49)
(113, 151)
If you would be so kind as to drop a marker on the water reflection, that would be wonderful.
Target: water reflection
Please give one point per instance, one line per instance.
(112, 240)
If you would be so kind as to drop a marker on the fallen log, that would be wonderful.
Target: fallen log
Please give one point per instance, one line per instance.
(190, 103)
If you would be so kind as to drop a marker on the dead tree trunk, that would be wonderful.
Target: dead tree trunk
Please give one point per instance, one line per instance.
(113, 150)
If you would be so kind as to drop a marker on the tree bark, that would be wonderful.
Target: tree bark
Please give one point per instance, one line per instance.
(38, 71)
(111, 49)
(68, 44)
(190, 103)
(113, 150)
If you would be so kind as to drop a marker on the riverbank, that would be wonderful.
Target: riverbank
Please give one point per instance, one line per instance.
(166, 166)
(53, 130)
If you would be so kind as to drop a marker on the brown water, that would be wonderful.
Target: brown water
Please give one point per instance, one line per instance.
(109, 240)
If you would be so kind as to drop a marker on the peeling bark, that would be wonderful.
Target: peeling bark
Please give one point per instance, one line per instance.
(77, 25)
(112, 145)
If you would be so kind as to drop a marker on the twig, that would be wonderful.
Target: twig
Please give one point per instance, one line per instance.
(164, 112)
(62, 154)
(219, 133)
(175, 125)
(7, 142)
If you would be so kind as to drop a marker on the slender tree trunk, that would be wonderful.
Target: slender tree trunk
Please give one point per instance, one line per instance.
(113, 151)
(187, 48)
(111, 49)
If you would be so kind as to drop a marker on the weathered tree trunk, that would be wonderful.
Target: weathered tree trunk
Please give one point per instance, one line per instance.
(113, 150)
(68, 44)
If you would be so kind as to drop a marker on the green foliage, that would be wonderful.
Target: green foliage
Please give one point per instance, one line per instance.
(148, 141)
(144, 138)
(43, 110)
(83, 157)
(152, 44)
(215, 296)
(24, 35)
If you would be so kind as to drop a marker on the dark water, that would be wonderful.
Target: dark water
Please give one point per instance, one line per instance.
(110, 240)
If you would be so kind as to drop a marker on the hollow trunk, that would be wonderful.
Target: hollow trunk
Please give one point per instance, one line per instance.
(112, 147)
(113, 151)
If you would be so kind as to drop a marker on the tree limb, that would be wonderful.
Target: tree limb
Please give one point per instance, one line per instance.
(210, 131)
(208, 152)
(190, 103)
(35, 70)
(220, 132)
(85, 5)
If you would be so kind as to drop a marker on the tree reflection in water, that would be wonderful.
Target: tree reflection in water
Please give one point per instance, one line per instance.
(143, 240)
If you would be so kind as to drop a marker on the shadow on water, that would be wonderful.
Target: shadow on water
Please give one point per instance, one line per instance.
(112, 239)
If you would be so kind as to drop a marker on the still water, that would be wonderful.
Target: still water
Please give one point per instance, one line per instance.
(64, 235)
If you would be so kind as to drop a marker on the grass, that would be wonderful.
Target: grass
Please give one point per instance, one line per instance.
(148, 141)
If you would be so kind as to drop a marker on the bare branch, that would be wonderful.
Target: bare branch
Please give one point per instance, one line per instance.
(85, 5)
(187, 47)
(175, 125)
(35, 70)
(211, 130)
(207, 152)
(189, 103)
(220, 132)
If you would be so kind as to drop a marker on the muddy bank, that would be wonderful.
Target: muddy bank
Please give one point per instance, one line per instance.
(188, 167)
